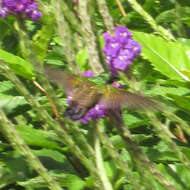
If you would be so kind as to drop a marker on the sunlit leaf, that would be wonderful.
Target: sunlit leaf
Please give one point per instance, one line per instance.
(170, 58)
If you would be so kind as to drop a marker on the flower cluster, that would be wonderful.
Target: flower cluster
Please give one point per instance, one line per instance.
(120, 49)
(94, 113)
(26, 7)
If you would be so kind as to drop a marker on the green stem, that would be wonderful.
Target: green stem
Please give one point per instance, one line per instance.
(65, 34)
(89, 38)
(71, 18)
(82, 140)
(140, 157)
(19, 144)
(165, 135)
(116, 157)
(159, 29)
(99, 162)
(181, 30)
(177, 119)
(107, 19)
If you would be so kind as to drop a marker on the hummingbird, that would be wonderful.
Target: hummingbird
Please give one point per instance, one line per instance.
(85, 94)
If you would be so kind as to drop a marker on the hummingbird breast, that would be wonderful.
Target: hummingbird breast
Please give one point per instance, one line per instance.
(84, 97)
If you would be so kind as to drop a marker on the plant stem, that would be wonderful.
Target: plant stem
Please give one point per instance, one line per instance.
(177, 119)
(89, 38)
(165, 135)
(140, 157)
(82, 140)
(71, 18)
(99, 162)
(19, 144)
(159, 29)
(122, 10)
(65, 34)
(116, 157)
(107, 19)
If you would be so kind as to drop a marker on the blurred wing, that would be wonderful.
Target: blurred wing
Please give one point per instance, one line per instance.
(66, 80)
(116, 98)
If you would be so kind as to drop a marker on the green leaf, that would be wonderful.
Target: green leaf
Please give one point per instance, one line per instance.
(6, 86)
(41, 41)
(169, 171)
(82, 58)
(17, 64)
(162, 90)
(9, 103)
(54, 160)
(118, 142)
(37, 137)
(132, 122)
(184, 41)
(181, 101)
(72, 182)
(170, 58)
(14, 168)
(170, 15)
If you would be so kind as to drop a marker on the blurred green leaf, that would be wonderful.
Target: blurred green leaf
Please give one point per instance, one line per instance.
(72, 182)
(164, 90)
(41, 41)
(6, 86)
(54, 160)
(181, 101)
(170, 15)
(165, 56)
(82, 58)
(9, 103)
(184, 41)
(17, 64)
(37, 137)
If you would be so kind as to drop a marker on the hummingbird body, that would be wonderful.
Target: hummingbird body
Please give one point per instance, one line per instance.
(85, 94)
(83, 98)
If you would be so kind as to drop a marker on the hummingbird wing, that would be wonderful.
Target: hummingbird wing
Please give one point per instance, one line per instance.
(68, 81)
(115, 98)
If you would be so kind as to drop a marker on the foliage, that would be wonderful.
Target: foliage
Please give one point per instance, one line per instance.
(41, 149)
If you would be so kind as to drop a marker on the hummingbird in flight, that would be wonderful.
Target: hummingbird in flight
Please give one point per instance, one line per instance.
(85, 94)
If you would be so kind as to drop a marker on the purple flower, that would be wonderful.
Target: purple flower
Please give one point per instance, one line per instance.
(94, 113)
(25, 7)
(134, 47)
(122, 34)
(112, 47)
(88, 73)
(35, 15)
(120, 49)
(117, 84)
(3, 12)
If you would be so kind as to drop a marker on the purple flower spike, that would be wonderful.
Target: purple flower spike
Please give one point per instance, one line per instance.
(120, 49)
(24, 7)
